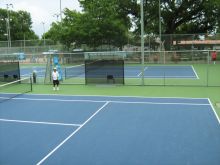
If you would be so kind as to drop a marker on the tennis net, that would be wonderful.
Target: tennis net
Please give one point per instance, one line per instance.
(9, 71)
(104, 71)
(15, 88)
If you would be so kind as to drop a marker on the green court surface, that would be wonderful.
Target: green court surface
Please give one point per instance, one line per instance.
(213, 93)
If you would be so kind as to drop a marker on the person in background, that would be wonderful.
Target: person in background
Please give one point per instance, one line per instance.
(214, 56)
(34, 76)
(55, 76)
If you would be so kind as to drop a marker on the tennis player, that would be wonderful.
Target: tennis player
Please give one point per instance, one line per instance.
(55, 76)
(214, 56)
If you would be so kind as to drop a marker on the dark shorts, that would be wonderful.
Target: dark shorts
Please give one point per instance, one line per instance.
(213, 59)
(55, 82)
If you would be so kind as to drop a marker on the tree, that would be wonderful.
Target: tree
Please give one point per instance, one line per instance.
(69, 30)
(190, 16)
(107, 22)
(24, 31)
(101, 23)
(20, 25)
(177, 16)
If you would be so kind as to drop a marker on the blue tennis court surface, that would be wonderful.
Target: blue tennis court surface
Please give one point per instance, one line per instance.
(164, 71)
(27, 71)
(101, 130)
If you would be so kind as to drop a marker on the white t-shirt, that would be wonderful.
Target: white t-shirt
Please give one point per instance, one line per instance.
(55, 75)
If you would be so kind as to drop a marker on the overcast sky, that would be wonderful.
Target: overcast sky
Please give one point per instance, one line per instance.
(41, 10)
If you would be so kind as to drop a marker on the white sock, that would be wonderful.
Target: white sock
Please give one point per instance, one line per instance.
(54, 88)
(57, 88)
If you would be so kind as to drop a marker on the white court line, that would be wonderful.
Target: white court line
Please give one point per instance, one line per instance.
(168, 77)
(145, 68)
(70, 67)
(213, 109)
(179, 77)
(61, 100)
(158, 103)
(65, 140)
(190, 77)
(103, 101)
(185, 98)
(28, 74)
(37, 122)
(195, 72)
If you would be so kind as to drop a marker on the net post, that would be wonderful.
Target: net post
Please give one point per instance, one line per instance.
(19, 73)
(142, 40)
(65, 73)
(85, 63)
(31, 84)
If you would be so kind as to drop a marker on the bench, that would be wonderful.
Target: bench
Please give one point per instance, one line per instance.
(110, 78)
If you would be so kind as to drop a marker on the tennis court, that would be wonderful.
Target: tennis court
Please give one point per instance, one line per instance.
(56, 129)
(28, 71)
(162, 71)
(159, 71)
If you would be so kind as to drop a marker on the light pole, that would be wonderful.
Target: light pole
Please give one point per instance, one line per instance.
(44, 32)
(142, 38)
(23, 23)
(23, 30)
(160, 24)
(61, 11)
(8, 24)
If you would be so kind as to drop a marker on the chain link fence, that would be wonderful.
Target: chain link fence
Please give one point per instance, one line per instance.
(184, 60)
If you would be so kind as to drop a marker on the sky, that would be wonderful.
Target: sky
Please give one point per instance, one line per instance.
(43, 12)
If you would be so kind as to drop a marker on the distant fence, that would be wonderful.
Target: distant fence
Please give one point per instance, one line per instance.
(29, 46)
(191, 50)
(166, 68)
(153, 42)
(176, 42)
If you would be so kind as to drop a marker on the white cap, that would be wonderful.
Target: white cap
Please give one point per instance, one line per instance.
(55, 68)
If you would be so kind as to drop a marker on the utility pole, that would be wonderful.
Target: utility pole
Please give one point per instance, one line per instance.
(142, 39)
(61, 18)
(160, 24)
(44, 32)
(8, 25)
(23, 29)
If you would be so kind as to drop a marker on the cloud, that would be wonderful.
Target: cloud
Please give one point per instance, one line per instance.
(38, 14)
(41, 10)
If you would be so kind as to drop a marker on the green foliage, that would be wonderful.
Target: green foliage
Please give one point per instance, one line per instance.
(105, 22)
(189, 16)
(3, 16)
(101, 23)
(192, 17)
(182, 17)
(20, 25)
